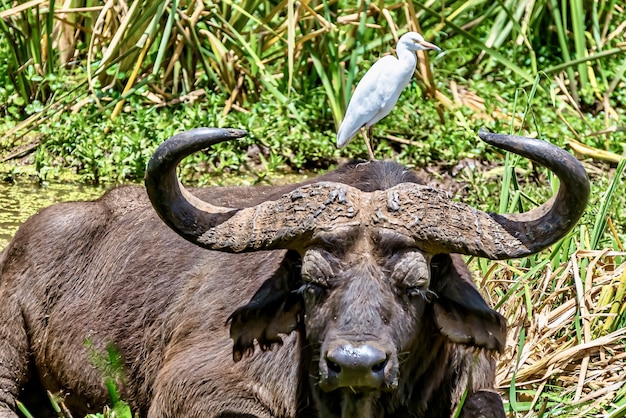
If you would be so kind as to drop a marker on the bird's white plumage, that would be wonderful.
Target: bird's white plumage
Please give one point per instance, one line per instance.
(379, 89)
(369, 105)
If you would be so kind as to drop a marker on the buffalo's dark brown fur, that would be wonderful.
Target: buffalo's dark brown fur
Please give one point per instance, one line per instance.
(110, 272)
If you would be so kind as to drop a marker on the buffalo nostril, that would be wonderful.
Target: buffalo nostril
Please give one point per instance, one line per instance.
(332, 366)
(380, 366)
(361, 365)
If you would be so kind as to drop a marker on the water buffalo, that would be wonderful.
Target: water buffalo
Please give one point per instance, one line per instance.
(356, 275)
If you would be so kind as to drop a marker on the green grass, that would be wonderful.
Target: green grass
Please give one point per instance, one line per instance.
(526, 306)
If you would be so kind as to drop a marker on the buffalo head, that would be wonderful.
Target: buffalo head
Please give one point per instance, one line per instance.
(372, 277)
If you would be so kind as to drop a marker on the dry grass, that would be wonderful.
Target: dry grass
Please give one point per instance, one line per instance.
(566, 348)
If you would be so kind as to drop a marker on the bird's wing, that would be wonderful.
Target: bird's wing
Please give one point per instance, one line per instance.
(367, 99)
(391, 83)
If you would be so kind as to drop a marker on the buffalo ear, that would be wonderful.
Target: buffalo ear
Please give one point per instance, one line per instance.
(276, 308)
(461, 313)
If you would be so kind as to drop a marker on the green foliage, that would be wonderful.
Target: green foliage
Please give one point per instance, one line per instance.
(294, 65)
(111, 365)
(30, 60)
(259, 49)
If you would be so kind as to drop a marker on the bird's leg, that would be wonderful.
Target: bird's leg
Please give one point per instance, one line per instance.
(367, 139)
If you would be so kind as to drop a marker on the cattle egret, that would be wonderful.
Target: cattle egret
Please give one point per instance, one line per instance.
(379, 89)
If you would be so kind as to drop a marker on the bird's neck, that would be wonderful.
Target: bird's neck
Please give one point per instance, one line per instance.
(406, 57)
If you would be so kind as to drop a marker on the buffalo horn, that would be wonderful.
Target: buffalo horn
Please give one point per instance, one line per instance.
(435, 222)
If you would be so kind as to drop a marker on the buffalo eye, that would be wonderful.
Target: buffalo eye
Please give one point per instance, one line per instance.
(414, 290)
(312, 292)
(314, 289)
(424, 293)
(316, 267)
(411, 272)
(314, 284)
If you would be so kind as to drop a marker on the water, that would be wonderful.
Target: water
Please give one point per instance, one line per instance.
(21, 200)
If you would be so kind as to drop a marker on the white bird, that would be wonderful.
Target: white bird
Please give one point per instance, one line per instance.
(379, 89)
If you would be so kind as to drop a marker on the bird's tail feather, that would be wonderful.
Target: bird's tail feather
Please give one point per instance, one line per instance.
(343, 137)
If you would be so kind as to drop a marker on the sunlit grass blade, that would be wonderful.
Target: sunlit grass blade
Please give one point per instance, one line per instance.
(291, 41)
(513, 407)
(335, 106)
(49, 62)
(601, 216)
(23, 410)
(165, 37)
(562, 34)
(587, 59)
(578, 29)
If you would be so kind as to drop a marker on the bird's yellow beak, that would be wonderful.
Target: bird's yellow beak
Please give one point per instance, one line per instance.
(427, 45)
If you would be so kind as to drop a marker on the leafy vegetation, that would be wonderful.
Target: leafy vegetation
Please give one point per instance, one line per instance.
(91, 89)
(283, 68)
